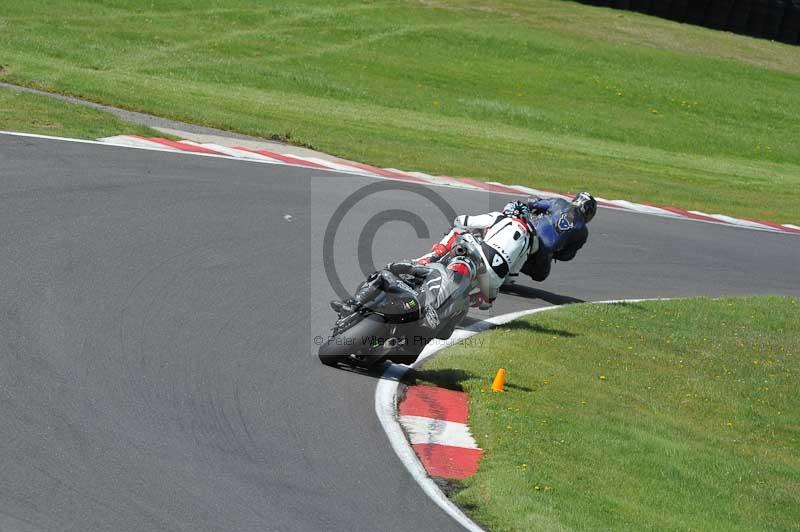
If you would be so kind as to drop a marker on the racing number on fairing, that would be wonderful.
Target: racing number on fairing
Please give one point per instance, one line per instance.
(496, 260)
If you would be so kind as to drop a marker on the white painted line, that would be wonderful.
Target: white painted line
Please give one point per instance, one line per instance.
(152, 146)
(335, 166)
(719, 219)
(421, 175)
(429, 430)
(498, 184)
(434, 181)
(418, 175)
(539, 193)
(233, 152)
(737, 221)
(166, 149)
(701, 213)
(386, 406)
(606, 204)
(129, 141)
(451, 182)
(647, 209)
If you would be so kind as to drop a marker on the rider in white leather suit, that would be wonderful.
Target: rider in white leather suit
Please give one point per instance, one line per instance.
(508, 239)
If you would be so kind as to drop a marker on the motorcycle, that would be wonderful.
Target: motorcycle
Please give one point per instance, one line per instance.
(405, 312)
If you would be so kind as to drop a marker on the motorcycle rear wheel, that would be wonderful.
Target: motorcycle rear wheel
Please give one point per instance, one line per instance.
(348, 347)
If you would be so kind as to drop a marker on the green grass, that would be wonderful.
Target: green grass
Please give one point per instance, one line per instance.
(550, 93)
(43, 115)
(677, 415)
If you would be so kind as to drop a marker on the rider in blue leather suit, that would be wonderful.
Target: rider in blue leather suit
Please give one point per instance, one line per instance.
(562, 231)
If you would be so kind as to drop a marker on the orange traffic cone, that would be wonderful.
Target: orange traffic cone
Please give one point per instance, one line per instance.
(499, 381)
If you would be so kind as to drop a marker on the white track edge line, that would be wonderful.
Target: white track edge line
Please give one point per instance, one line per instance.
(386, 405)
(362, 173)
(166, 149)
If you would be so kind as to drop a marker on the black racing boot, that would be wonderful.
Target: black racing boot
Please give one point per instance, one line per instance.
(365, 292)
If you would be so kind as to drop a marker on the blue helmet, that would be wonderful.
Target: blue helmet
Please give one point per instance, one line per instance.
(516, 209)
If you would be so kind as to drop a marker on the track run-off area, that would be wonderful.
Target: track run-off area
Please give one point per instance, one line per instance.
(157, 333)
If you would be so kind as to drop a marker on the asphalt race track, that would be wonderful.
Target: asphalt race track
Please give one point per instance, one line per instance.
(157, 315)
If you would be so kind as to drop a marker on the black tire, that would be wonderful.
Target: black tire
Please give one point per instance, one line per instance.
(340, 347)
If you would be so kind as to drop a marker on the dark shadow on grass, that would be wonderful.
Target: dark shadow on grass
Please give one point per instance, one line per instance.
(527, 292)
(451, 487)
(443, 378)
(518, 325)
(450, 379)
(512, 386)
(524, 325)
(630, 305)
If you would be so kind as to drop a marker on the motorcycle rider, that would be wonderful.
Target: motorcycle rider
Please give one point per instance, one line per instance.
(456, 276)
(513, 240)
(561, 231)
(508, 240)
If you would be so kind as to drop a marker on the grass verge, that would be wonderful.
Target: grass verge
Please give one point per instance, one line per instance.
(670, 415)
(32, 113)
(552, 94)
